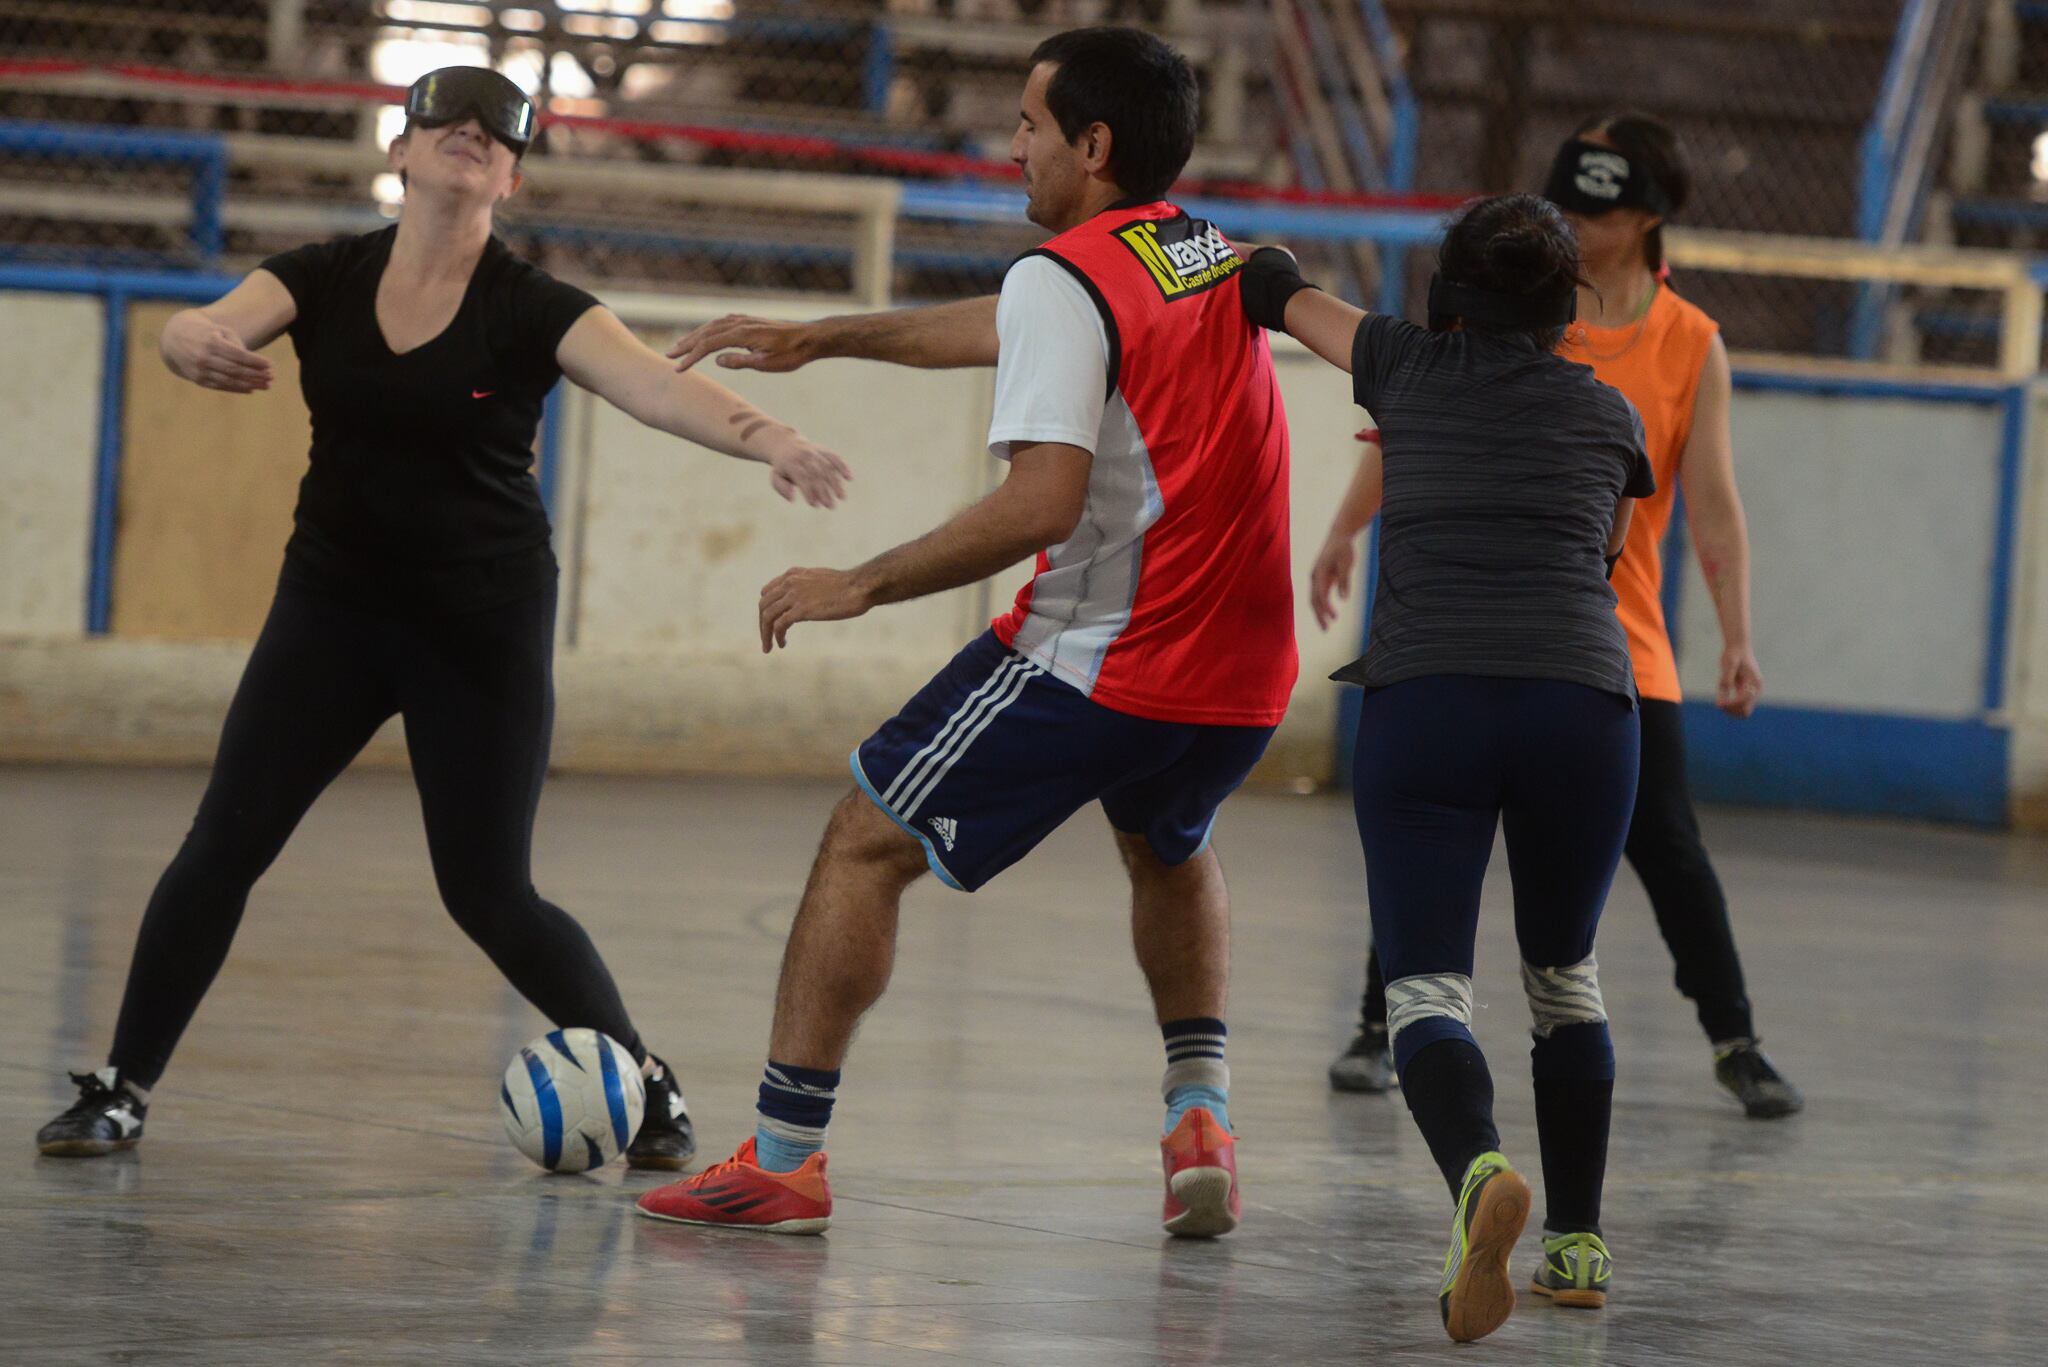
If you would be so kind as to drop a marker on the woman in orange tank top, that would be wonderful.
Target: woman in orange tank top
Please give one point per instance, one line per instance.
(1617, 179)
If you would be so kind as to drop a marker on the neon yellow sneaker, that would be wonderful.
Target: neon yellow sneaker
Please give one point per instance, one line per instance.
(1575, 1271)
(1478, 1294)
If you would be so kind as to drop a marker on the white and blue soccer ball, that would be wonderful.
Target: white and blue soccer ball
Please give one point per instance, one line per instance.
(572, 1100)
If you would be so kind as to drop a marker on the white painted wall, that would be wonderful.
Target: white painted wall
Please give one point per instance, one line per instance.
(50, 354)
(673, 543)
(667, 548)
(1871, 523)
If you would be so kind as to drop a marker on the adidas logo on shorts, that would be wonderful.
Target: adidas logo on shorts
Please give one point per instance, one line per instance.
(948, 829)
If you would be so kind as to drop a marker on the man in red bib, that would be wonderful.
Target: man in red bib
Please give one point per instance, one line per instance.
(1144, 666)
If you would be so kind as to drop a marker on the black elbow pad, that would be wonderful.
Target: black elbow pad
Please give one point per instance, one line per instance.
(1269, 280)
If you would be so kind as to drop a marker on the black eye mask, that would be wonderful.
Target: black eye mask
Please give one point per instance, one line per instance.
(1589, 179)
(454, 93)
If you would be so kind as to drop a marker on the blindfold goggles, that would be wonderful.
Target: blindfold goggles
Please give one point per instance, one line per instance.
(1589, 179)
(454, 93)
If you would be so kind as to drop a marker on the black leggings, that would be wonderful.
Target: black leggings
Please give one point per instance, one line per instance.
(1665, 850)
(477, 695)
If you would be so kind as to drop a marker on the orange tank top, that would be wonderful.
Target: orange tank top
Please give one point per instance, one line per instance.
(1657, 364)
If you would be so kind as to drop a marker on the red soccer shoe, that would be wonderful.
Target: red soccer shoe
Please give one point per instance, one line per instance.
(1201, 1178)
(740, 1194)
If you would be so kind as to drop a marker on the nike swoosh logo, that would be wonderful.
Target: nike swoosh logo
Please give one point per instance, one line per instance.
(481, 393)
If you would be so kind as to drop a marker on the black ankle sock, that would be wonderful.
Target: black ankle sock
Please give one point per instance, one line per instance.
(1450, 1094)
(1571, 1121)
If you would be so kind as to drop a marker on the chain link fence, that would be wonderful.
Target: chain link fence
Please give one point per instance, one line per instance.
(108, 109)
(903, 88)
(1770, 100)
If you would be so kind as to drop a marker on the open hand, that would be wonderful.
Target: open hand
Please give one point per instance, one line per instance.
(807, 595)
(800, 466)
(211, 355)
(1741, 683)
(1331, 576)
(750, 344)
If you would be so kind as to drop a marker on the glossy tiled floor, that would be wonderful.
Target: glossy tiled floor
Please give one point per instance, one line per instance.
(325, 1178)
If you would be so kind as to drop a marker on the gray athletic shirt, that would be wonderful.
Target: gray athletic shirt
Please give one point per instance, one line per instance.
(1503, 468)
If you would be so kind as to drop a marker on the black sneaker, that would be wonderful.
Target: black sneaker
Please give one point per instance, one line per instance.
(667, 1140)
(1741, 1067)
(105, 1119)
(1367, 1065)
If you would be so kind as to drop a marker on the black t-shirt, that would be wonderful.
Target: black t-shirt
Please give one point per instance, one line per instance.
(421, 490)
(1504, 465)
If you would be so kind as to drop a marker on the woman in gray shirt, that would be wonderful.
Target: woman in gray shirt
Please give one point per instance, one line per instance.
(1499, 691)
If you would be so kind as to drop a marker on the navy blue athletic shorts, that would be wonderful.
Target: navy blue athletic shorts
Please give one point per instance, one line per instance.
(993, 754)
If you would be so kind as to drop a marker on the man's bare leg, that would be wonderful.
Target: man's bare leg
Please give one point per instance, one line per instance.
(1180, 927)
(843, 944)
(834, 968)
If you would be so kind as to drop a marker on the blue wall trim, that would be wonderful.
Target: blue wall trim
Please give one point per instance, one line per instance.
(1871, 763)
(135, 284)
(106, 492)
(550, 473)
(1853, 387)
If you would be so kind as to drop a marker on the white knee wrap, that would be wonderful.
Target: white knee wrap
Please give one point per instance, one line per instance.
(1563, 996)
(1428, 994)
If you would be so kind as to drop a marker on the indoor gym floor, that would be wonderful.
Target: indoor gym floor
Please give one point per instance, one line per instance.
(325, 1176)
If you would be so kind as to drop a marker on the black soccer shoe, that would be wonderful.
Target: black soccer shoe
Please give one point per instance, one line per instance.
(1367, 1065)
(105, 1119)
(667, 1140)
(1741, 1067)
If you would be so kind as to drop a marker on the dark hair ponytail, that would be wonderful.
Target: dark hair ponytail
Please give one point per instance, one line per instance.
(1654, 152)
(1512, 245)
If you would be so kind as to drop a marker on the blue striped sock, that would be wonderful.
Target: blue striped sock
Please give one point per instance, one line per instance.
(1196, 1074)
(794, 1109)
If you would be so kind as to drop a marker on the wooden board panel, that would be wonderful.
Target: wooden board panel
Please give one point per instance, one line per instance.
(207, 486)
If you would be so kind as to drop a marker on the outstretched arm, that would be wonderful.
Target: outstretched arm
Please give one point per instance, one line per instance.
(1278, 299)
(1720, 533)
(1325, 325)
(601, 353)
(1037, 505)
(942, 337)
(215, 346)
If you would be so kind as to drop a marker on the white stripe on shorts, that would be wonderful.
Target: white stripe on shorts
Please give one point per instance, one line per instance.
(1011, 690)
(904, 779)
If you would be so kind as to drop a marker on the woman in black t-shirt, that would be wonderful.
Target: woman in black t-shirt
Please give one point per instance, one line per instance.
(1499, 691)
(418, 581)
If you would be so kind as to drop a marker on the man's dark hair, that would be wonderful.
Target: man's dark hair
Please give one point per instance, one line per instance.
(1512, 244)
(1656, 154)
(1139, 87)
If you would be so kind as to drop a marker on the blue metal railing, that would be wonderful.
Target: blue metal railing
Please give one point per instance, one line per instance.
(118, 288)
(1885, 204)
(136, 276)
(206, 158)
(1884, 136)
(1401, 152)
(1335, 81)
(1400, 95)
